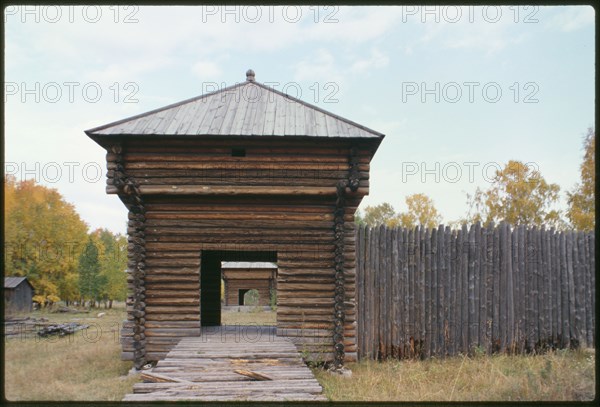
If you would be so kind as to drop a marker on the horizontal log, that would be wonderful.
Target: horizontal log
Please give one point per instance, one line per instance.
(241, 165)
(173, 301)
(234, 190)
(153, 310)
(289, 226)
(241, 216)
(172, 279)
(254, 274)
(194, 157)
(172, 332)
(160, 246)
(240, 181)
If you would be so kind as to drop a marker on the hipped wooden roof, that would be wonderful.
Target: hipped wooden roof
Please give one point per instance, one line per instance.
(245, 109)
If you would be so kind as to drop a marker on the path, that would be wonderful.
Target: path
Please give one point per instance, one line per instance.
(202, 368)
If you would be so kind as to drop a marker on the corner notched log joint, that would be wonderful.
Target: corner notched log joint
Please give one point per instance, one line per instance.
(339, 317)
(129, 193)
(338, 305)
(354, 173)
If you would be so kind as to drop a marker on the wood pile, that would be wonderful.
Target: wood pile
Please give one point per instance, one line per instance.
(61, 329)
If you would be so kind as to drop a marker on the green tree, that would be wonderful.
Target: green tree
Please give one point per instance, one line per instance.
(380, 214)
(421, 211)
(43, 236)
(91, 282)
(518, 195)
(113, 261)
(582, 204)
(358, 218)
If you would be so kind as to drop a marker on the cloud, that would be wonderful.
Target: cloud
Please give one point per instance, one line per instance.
(319, 67)
(377, 60)
(476, 28)
(206, 69)
(573, 18)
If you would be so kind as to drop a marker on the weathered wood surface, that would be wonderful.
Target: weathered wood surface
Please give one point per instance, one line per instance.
(495, 288)
(222, 364)
(284, 203)
(251, 277)
(246, 109)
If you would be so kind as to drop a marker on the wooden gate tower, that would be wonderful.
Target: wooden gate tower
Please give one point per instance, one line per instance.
(246, 173)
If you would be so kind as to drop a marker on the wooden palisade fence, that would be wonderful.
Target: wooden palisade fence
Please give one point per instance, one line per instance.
(437, 292)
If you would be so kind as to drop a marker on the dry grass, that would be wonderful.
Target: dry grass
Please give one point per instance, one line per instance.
(82, 366)
(560, 376)
(254, 317)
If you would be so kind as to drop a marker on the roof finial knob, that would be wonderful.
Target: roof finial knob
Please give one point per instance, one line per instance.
(250, 75)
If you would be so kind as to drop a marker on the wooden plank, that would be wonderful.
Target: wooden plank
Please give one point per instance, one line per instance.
(435, 300)
(564, 293)
(483, 281)
(372, 291)
(579, 288)
(381, 311)
(496, 291)
(592, 276)
(396, 239)
(443, 291)
(452, 308)
(414, 306)
(460, 292)
(541, 299)
(571, 286)
(474, 252)
(588, 300)
(554, 281)
(253, 375)
(523, 291)
(426, 236)
(421, 236)
(158, 378)
(510, 298)
(360, 294)
(546, 291)
(472, 324)
(389, 292)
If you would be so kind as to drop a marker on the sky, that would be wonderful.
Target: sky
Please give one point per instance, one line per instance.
(458, 91)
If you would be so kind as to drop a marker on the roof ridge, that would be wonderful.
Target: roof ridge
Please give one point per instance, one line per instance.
(129, 127)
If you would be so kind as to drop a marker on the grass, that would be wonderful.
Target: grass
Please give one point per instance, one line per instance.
(255, 317)
(564, 375)
(82, 366)
(87, 366)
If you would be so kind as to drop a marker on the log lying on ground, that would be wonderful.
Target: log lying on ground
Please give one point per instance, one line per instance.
(61, 329)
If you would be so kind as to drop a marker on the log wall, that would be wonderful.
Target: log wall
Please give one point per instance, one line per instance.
(280, 198)
(439, 292)
(262, 280)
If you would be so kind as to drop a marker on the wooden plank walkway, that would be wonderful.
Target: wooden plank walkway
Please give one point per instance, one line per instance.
(202, 369)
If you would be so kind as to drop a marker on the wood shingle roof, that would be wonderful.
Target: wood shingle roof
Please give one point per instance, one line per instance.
(245, 109)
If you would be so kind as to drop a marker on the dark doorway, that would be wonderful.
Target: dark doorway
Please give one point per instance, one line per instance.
(210, 279)
(241, 294)
(210, 289)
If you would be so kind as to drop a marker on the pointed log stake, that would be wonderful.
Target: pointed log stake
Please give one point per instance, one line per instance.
(253, 375)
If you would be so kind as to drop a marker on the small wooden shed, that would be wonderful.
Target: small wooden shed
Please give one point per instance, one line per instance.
(240, 277)
(18, 294)
(246, 173)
